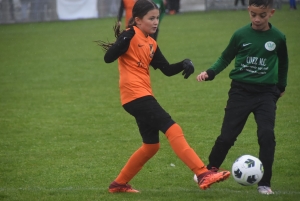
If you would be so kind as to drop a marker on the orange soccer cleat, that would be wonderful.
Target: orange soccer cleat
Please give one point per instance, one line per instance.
(210, 177)
(114, 187)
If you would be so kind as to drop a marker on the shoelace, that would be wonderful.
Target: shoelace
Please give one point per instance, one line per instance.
(214, 169)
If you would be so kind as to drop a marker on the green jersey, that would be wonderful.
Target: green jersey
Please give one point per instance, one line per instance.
(260, 57)
(161, 6)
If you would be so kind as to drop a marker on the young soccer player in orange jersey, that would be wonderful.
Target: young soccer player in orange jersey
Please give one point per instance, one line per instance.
(126, 5)
(135, 51)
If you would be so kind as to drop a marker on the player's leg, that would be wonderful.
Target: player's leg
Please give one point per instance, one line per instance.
(182, 149)
(237, 111)
(264, 113)
(148, 111)
(132, 167)
(135, 163)
(236, 2)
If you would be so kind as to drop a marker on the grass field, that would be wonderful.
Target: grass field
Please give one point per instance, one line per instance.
(64, 135)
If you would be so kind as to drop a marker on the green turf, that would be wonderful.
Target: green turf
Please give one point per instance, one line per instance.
(64, 135)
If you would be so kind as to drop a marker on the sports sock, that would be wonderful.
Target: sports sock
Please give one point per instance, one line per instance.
(183, 150)
(136, 162)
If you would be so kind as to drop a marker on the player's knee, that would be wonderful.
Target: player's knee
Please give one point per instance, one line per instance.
(166, 125)
(151, 149)
(266, 136)
(225, 142)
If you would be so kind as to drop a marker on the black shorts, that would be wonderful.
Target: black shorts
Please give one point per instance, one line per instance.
(150, 118)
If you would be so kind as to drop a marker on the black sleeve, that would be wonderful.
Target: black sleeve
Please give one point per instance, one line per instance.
(211, 75)
(119, 47)
(121, 10)
(160, 62)
(283, 65)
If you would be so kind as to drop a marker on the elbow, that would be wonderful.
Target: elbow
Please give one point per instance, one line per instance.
(168, 74)
(167, 71)
(108, 59)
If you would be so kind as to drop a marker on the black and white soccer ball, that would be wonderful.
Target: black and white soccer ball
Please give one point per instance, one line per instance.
(247, 170)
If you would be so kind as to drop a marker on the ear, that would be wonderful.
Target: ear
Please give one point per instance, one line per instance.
(248, 9)
(272, 12)
(137, 21)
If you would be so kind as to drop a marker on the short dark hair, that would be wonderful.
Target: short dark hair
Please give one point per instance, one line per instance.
(261, 3)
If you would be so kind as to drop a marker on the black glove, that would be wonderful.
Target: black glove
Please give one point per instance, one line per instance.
(188, 68)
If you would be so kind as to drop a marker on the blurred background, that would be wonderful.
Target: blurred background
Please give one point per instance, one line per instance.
(22, 11)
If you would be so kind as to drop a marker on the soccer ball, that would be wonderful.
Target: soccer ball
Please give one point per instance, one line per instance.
(247, 170)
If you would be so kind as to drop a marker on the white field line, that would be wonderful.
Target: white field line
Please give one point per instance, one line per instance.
(227, 190)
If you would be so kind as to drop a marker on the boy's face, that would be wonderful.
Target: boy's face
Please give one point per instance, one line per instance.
(260, 17)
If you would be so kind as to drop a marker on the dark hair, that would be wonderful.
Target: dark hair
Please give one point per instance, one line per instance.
(261, 3)
(140, 9)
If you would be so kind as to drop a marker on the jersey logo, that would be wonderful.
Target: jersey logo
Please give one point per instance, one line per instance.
(151, 51)
(140, 64)
(270, 46)
(246, 44)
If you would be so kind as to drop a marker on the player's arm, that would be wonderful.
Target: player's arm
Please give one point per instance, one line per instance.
(120, 46)
(216, 68)
(160, 62)
(223, 61)
(120, 13)
(162, 10)
(282, 66)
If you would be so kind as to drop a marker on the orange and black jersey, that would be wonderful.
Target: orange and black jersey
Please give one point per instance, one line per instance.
(135, 52)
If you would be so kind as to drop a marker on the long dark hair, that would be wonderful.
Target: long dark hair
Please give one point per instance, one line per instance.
(140, 9)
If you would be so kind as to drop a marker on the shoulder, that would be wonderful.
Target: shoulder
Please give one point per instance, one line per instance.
(241, 33)
(152, 41)
(277, 31)
(243, 30)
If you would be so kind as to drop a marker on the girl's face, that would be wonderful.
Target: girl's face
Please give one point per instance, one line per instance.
(260, 17)
(149, 23)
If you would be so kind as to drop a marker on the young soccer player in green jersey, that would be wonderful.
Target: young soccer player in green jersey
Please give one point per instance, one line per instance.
(259, 78)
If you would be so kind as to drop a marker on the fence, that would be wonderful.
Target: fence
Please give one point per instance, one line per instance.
(18, 11)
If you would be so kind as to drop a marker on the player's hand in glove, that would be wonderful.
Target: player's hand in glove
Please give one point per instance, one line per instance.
(188, 68)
